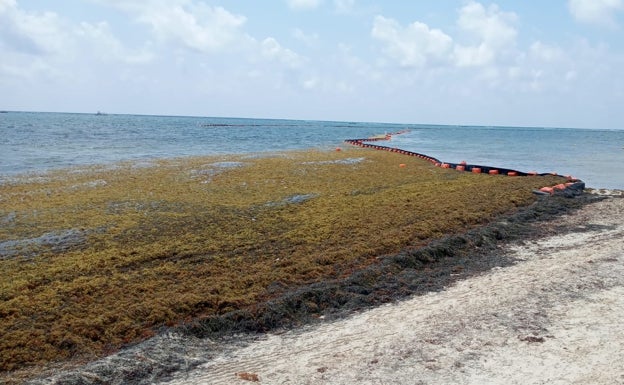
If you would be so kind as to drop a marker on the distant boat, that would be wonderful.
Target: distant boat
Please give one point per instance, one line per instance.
(100, 113)
(4, 112)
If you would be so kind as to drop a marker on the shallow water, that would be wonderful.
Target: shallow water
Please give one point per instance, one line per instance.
(594, 156)
(35, 142)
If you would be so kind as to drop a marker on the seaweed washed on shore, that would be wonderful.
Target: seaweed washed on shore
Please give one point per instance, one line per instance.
(94, 259)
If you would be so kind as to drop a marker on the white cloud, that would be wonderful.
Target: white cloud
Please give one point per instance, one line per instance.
(273, 50)
(474, 56)
(44, 47)
(209, 47)
(195, 25)
(490, 25)
(541, 68)
(486, 34)
(600, 12)
(35, 47)
(413, 46)
(301, 5)
(7, 4)
(571, 75)
(310, 83)
(545, 53)
(483, 54)
(491, 29)
(310, 40)
(30, 33)
(344, 6)
(327, 85)
(106, 46)
(206, 29)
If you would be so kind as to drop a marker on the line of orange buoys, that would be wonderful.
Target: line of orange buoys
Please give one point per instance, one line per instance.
(573, 186)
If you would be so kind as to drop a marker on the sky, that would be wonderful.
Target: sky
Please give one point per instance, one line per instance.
(555, 63)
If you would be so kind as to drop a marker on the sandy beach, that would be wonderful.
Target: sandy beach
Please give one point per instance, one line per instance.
(554, 317)
(551, 316)
(311, 192)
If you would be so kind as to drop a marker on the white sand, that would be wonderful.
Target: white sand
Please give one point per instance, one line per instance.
(556, 317)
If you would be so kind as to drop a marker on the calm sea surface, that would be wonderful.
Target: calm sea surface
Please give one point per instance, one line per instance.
(36, 142)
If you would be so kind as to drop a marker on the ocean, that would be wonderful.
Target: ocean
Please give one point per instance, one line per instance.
(35, 142)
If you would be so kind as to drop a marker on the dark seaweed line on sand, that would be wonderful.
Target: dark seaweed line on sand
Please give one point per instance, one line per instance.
(394, 277)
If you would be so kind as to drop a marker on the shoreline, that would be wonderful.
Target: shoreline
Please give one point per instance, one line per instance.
(179, 351)
(551, 317)
(122, 255)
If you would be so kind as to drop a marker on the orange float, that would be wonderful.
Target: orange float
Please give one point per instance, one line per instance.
(461, 166)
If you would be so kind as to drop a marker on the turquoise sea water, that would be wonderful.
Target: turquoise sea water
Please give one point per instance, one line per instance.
(36, 142)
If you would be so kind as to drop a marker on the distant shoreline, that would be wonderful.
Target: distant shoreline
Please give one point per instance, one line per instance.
(404, 123)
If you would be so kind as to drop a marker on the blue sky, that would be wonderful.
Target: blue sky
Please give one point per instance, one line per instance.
(515, 63)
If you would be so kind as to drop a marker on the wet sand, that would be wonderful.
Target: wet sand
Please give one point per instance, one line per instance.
(553, 317)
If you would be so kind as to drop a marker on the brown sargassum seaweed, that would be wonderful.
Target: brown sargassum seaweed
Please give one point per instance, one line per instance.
(96, 258)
